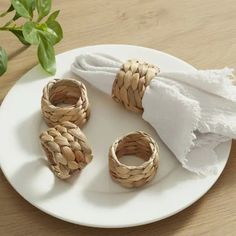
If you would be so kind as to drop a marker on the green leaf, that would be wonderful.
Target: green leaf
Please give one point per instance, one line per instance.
(19, 35)
(24, 8)
(3, 61)
(43, 8)
(46, 55)
(49, 33)
(55, 27)
(16, 16)
(53, 16)
(30, 33)
(53, 32)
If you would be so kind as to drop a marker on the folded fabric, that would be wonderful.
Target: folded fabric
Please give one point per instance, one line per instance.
(192, 112)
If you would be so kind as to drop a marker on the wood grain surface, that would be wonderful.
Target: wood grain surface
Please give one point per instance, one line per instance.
(200, 32)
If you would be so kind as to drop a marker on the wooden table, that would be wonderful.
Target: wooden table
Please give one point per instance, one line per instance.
(201, 32)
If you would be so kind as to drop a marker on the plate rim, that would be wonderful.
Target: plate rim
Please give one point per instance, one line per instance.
(229, 143)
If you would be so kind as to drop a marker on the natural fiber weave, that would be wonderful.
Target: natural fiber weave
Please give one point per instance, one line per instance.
(67, 149)
(139, 144)
(131, 82)
(65, 100)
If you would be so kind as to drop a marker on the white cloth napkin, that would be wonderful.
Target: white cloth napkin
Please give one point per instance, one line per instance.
(191, 112)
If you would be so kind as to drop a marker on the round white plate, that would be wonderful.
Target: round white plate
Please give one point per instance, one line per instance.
(92, 198)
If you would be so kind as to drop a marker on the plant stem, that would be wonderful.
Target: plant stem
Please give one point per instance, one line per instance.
(5, 28)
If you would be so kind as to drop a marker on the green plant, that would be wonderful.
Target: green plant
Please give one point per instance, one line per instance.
(39, 28)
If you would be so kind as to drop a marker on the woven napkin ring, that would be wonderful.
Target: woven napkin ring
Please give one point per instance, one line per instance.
(141, 145)
(131, 82)
(65, 100)
(66, 148)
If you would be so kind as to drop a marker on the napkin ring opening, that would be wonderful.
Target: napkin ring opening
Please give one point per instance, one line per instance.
(65, 100)
(66, 148)
(141, 145)
(131, 82)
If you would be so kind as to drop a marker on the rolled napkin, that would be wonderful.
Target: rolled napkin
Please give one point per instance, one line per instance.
(192, 112)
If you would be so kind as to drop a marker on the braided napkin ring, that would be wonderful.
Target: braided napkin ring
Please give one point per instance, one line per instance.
(141, 145)
(65, 100)
(67, 149)
(131, 82)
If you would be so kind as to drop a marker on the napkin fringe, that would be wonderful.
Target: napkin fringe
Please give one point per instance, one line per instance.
(192, 137)
(200, 102)
(203, 171)
(218, 129)
(220, 82)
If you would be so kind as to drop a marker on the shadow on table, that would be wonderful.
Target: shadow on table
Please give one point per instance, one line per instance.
(17, 52)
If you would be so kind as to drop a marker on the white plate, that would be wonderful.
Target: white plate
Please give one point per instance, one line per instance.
(92, 198)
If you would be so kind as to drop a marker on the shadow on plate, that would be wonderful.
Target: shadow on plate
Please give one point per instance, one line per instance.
(35, 181)
(37, 73)
(102, 191)
(28, 133)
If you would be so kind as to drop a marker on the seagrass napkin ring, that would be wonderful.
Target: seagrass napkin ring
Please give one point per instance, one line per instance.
(66, 148)
(141, 145)
(130, 84)
(65, 100)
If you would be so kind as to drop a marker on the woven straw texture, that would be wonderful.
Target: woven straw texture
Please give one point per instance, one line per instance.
(65, 100)
(66, 148)
(141, 145)
(131, 82)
